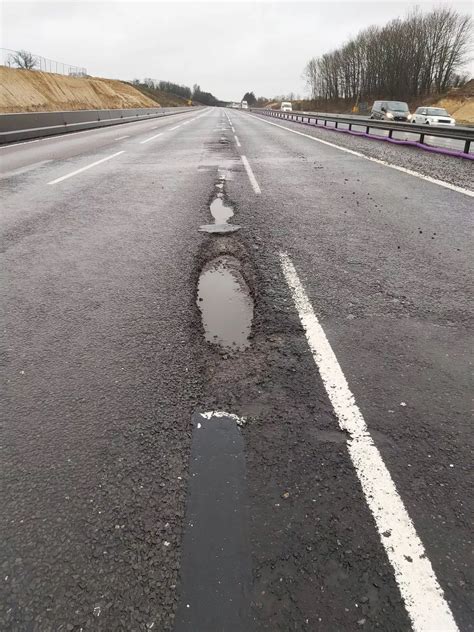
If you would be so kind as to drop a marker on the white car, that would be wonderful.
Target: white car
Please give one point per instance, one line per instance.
(432, 116)
(286, 106)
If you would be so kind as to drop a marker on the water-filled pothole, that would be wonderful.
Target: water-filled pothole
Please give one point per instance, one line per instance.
(225, 303)
(220, 211)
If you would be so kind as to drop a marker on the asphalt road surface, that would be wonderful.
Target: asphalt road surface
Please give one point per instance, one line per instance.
(351, 398)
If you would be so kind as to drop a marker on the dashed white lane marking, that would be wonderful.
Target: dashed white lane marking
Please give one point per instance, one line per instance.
(122, 137)
(416, 174)
(173, 128)
(252, 178)
(147, 140)
(93, 164)
(237, 141)
(423, 596)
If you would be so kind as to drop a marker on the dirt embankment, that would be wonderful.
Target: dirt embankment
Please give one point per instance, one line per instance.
(33, 91)
(460, 103)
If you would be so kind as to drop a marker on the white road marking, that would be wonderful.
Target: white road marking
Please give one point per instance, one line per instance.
(237, 142)
(173, 128)
(142, 142)
(423, 596)
(93, 164)
(416, 174)
(252, 178)
(240, 421)
(122, 137)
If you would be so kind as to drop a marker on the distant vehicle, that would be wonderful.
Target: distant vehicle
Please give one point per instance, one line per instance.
(286, 106)
(244, 105)
(432, 116)
(390, 111)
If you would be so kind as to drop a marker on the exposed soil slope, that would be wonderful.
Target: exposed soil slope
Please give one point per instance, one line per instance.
(33, 91)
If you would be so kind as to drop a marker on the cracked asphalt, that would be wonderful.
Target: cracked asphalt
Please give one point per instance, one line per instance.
(105, 363)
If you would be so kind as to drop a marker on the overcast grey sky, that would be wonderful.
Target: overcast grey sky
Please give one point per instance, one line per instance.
(226, 47)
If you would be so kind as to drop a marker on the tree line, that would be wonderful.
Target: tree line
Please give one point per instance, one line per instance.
(420, 55)
(194, 94)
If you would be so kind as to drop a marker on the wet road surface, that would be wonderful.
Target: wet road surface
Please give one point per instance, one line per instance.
(350, 390)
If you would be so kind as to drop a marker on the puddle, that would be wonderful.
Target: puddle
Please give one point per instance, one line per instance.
(225, 303)
(220, 211)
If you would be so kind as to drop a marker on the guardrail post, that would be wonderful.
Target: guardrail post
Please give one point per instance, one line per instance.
(350, 126)
(335, 124)
(467, 145)
(422, 139)
(390, 133)
(367, 130)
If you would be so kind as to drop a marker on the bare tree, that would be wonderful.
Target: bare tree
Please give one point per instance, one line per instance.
(416, 56)
(23, 59)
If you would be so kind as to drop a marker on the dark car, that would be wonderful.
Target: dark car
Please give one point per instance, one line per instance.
(390, 111)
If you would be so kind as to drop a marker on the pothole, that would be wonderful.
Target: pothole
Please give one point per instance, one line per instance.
(220, 211)
(225, 303)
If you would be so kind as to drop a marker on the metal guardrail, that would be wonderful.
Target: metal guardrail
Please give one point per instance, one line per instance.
(464, 134)
(28, 125)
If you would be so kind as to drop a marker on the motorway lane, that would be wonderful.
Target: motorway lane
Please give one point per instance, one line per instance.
(388, 274)
(106, 363)
(16, 158)
(103, 376)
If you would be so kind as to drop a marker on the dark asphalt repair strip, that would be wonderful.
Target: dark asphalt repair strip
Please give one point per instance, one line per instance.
(215, 565)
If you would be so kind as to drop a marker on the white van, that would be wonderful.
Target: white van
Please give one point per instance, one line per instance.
(286, 106)
(244, 105)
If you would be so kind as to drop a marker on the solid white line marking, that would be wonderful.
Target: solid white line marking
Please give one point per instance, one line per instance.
(237, 142)
(173, 128)
(122, 137)
(93, 164)
(423, 596)
(416, 174)
(252, 178)
(142, 142)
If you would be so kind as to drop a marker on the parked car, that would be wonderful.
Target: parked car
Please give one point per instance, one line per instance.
(286, 106)
(390, 111)
(432, 116)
